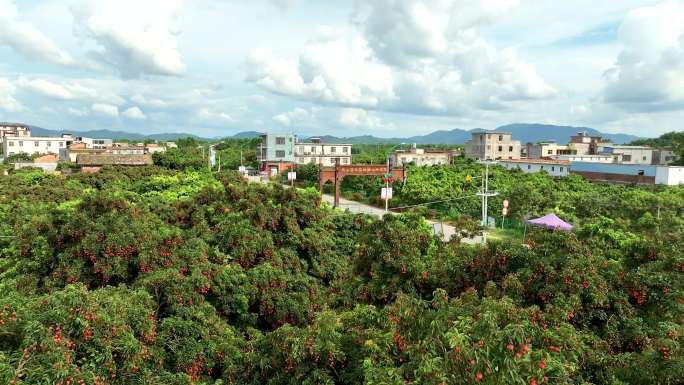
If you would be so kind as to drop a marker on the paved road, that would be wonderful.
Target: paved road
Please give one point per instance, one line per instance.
(447, 231)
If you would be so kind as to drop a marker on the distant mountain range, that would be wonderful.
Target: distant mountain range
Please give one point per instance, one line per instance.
(109, 134)
(522, 132)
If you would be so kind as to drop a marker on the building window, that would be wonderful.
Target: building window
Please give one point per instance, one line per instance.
(301, 160)
(280, 140)
(644, 158)
(345, 160)
(313, 149)
(641, 173)
(500, 138)
(49, 143)
(549, 152)
(561, 169)
(500, 148)
(510, 148)
(21, 143)
(280, 153)
(36, 143)
(542, 167)
(333, 149)
(11, 144)
(345, 150)
(553, 168)
(61, 144)
(529, 167)
(627, 158)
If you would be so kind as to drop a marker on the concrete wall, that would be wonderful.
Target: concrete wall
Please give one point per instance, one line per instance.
(611, 168)
(670, 176)
(420, 159)
(47, 167)
(552, 169)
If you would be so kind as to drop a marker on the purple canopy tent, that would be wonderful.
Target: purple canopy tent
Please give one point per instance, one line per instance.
(551, 221)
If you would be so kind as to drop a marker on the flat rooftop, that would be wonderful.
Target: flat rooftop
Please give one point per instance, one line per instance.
(535, 161)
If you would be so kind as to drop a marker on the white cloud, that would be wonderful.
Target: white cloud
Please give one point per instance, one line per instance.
(134, 113)
(285, 5)
(338, 118)
(46, 88)
(7, 100)
(359, 118)
(85, 90)
(77, 112)
(416, 56)
(136, 38)
(400, 31)
(150, 102)
(28, 41)
(297, 116)
(215, 118)
(649, 72)
(334, 72)
(106, 109)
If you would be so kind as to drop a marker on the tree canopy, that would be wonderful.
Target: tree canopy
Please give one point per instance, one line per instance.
(169, 274)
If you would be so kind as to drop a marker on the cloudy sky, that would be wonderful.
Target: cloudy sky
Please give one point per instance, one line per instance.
(344, 67)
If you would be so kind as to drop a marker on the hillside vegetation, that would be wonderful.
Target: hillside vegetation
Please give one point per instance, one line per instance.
(171, 275)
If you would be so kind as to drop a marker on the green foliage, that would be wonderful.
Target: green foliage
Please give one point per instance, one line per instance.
(169, 274)
(675, 140)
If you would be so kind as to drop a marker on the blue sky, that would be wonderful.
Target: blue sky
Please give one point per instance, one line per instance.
(381, 67)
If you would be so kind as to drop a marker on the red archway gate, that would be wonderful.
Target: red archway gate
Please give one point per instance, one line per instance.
(337, 173)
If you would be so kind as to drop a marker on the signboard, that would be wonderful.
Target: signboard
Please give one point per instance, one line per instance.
(212, 156)
(386, 193)
(291, 176)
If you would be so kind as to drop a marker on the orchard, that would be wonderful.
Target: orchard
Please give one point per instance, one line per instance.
(168, 274)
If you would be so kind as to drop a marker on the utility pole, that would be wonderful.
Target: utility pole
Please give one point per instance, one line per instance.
(485, 194)
(387, 184)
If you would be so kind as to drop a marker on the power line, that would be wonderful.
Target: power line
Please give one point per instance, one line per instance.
(429, 203)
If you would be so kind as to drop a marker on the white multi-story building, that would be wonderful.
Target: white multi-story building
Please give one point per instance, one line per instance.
(559, 168)
(14, 129)
(547, 149)
(628, 154)
(154, 148)
(324, 154)
(492, 145)
(664, 156)
(423, 157)
(95, 143)
(585, 158)
(13, 145)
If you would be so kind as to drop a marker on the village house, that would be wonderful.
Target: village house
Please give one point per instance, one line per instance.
(558, 168)
(492, 145)
(423, 157)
